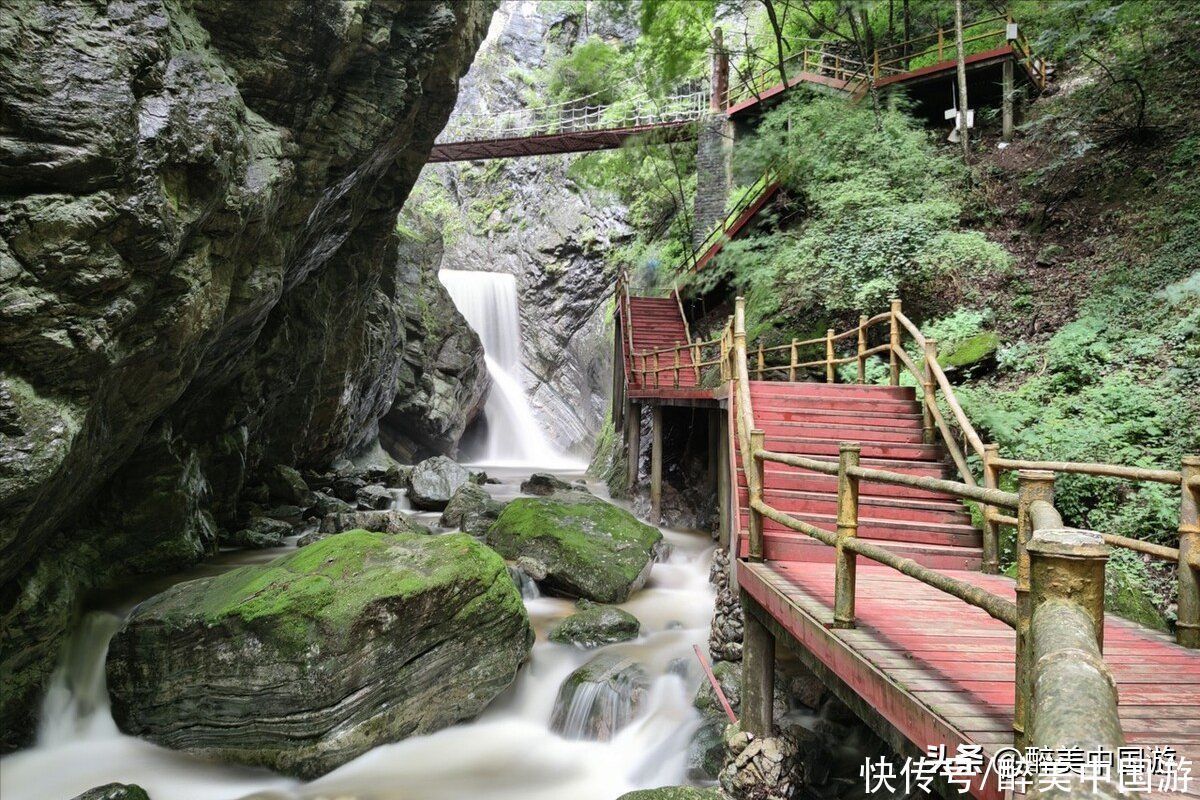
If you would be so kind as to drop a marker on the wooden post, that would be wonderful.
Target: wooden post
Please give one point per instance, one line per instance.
(757, 443)
(940, 45)
(964, 133)
(656, 372)
(1188, 627)
(1006, 101)
(696, 358)
(928, 435)
(1033, 485)
(676, 383)
(894, 342)
(761, 361)
(795, 360)
(720, 73)
(758, 672)
(846, 562)
(656, 458)
(991, 528)
(862, 348)
(633, 439)
(829, 376)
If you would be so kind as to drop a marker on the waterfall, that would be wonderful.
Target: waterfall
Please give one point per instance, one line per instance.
(488, 301)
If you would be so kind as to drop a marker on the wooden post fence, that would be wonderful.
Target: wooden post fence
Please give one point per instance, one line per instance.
(991, 528)
(1188, 626)
(846, 561)
(894, 340)
(1034, 486)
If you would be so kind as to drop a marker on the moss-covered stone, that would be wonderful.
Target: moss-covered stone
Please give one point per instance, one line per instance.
(358, 639)
(596, 626)
(970, 351)
(115, 791)
(472, 510)
(588, 547)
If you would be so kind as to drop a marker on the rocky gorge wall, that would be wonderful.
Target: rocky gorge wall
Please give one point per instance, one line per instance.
(200, 277)
(528, 217)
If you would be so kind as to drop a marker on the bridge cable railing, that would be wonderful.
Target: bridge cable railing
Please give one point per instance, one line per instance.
(1059, 629)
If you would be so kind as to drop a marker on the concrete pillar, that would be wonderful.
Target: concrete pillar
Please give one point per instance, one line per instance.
(656, 458)
(633, 441)
(758, 672)
(714, 173)
(1006, 107)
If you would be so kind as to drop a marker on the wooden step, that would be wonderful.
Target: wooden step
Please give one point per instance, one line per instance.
(785, 413)
(772, 389)
(928, 468)
(875, 507)
(804, 481)
(888, 530)
(799, 402)
(845, 432)
(801, 445)
(798, 547)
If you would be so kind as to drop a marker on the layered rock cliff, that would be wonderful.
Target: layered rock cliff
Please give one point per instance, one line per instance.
(199, 274)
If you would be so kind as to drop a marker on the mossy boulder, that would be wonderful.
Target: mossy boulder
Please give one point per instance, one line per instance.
(596, 626)
(543, 484)
(584, 546)
(310, 660)
(472, 510)
(600, 698)
(971, 351)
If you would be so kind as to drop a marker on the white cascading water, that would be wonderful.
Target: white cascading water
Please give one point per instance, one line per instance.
(488, 301)
(509, 753)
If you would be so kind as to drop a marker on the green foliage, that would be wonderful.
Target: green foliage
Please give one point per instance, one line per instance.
(588, 70)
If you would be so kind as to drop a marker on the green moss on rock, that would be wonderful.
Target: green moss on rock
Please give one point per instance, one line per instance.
(588, 547)
(596, 626)
(673, 793)
(971, 350)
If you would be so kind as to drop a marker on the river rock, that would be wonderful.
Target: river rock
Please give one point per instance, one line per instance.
(390, 521)
(259, 533)
(114, 791)
(600, 698)
(287, 485)
(585, 546)
(376, 496)
(543, 484)
(596, 626)
(316, 657)
(706, 751)
(472, 510)
(434, 481)
(324, 504)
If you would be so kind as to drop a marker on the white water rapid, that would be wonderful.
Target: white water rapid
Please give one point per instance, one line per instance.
(509, 753)
(488, 301)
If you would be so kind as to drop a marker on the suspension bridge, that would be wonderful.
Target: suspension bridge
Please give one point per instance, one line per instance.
(924, 66)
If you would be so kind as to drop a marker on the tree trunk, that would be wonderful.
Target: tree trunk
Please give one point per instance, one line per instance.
(777, 30)
(907, 31)
(963, 133)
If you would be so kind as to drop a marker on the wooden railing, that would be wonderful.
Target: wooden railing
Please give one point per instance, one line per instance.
(1050, 616)
(732, 220)
(854, 75)
(961, 440)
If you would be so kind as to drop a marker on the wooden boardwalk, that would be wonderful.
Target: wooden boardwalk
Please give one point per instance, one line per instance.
(941, 672)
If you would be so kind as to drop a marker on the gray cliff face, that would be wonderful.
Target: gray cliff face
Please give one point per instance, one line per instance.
(529, 218)
(199, 273)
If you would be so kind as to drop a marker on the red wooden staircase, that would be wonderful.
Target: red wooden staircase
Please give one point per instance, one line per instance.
(656, 324)
(811, 419)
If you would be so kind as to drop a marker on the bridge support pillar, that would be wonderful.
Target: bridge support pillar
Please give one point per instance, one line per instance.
(714, 173)
(1188, 629)
(723, 526)
(758, 672)
(1006, 101)
(656, 458)
(633, 441)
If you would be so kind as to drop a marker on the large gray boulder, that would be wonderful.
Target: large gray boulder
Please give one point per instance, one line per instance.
(577, 545)
(434, 481)
(114, 791)
(472, 510)
(316, 657)
(596, 626)
(600, 698)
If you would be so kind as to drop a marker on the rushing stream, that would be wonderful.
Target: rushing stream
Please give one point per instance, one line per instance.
(509, 752)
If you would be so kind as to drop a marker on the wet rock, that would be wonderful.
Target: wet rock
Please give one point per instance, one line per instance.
(375, 496)
(259, 533)
(596, 626)
(286, 484)
(725, 637)
(324, 504)
(434, 481)
(599, 698)
(292, 515)
(764, 768)
(587, 547)
(471, 510)
(347, 486)
(390, 521)
(114, 791)
(356, 640)
(706, 751)
(542, 484)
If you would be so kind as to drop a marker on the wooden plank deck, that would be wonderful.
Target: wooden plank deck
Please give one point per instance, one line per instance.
(941, 671)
